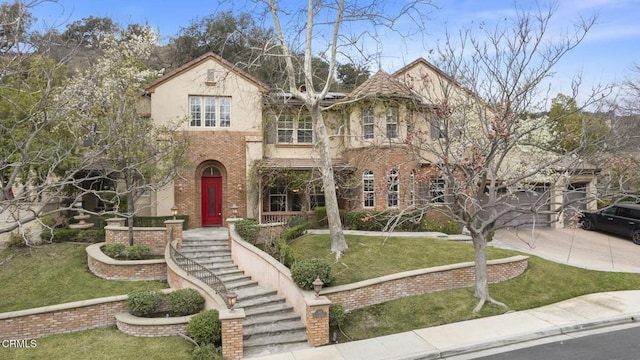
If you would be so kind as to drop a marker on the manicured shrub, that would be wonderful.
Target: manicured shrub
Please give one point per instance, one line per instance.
(113, 250)
(73, 235)
(185, 301)
(137, 252)
(336, 316)
(205, 328)
(206, 352)
(296, 220)
(144, 302)
(248, 230)
(287, 254)
(305, 271)
(295, 231)
(321, 216)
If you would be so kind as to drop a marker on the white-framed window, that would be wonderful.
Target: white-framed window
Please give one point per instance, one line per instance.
(367, 123)
(437, 190)
(438, 129)
(316, 197)
(368, 192)
(209, 111)
(393, 188)
(392, 123)
(293, 129)
(278, 198)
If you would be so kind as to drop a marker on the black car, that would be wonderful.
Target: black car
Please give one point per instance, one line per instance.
(622, 219)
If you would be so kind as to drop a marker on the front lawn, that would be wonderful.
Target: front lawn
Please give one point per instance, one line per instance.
(544, 282)
(103, 344)
(369, 257)
(54, 274)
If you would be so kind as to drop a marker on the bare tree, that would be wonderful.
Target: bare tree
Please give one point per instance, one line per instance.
(484, 143)
(327, 28)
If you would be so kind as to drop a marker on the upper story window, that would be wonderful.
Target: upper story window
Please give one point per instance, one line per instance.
(392, 123)
(293, 129)
(209, 111)
(367, 123)
(368, 189)
(393, 186)
(438, 129)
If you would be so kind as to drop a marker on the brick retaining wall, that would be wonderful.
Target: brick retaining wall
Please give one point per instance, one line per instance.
(62, 318)
(151, 327)
(107, 268)
(417, 282)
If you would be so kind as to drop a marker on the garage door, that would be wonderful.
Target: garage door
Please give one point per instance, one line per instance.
(527, 207)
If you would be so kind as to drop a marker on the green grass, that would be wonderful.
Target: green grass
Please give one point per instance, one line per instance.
(54, 274)
(544, 282)
(103, 344)
(369, 257)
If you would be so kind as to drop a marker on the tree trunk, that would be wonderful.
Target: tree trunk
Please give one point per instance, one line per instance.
(482, 279)
(338, 242)
(130, 212)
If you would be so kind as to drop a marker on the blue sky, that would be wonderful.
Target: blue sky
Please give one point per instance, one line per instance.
(607, 54)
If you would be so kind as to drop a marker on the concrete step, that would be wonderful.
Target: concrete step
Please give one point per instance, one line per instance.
(273, 309)
(236, 285)
(266, 345)
(254, 302)
(274, 329)
(254, 292)
(269, 318)
(206, 241)
(186, 249)
(234, 276)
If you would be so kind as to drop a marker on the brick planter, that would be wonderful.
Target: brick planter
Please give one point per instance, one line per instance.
(107, 268)
(151, 327)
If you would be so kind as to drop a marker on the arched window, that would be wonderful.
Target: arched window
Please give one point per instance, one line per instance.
(412, 187)
(393, 187)
(211, 171)
(368, 189)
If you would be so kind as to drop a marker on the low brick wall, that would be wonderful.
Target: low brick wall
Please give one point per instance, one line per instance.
(62, 318)
(154, 237)
(417, 282)
(107, 268)
(151, 327)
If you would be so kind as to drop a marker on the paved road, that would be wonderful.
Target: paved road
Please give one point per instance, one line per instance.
(577, 247)
(620, 343)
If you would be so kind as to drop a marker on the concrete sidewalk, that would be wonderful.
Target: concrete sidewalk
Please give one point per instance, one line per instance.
(439, 342)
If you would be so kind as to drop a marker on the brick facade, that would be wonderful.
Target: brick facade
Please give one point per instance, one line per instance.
(225, 151)
(417, 282)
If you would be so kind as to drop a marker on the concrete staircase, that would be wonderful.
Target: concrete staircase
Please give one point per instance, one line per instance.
(270, 326)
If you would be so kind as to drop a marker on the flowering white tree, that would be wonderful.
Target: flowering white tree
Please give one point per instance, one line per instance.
(103, 102)
(485, 144)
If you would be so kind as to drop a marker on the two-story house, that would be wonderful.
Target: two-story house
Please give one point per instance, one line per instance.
(251, 150)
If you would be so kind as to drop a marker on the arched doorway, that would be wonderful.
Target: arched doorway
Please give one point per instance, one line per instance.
(211, 199)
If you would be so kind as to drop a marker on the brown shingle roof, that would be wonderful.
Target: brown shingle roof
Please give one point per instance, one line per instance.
(381, 84)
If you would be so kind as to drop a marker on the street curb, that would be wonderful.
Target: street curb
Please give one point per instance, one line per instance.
(525, 337)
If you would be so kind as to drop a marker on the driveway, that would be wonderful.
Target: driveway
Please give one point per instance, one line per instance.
(576, 247)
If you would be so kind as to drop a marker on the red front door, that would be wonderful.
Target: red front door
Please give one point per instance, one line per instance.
(212, 201)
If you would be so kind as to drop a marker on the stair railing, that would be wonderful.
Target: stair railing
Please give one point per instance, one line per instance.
(195, 269)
